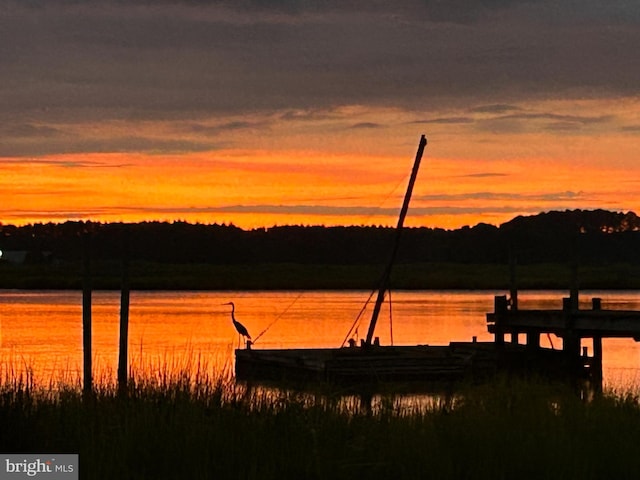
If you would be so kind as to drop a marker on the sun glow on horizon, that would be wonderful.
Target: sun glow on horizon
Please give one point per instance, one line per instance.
(195, 118)
(477, 168)
(253, 189)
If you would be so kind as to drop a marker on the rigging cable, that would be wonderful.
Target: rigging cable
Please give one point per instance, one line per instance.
(358, 317)
(365, 219)
(550, 341)
(357, 320)
(277, 318)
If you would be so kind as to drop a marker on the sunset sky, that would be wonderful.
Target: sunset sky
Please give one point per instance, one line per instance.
(261, 113)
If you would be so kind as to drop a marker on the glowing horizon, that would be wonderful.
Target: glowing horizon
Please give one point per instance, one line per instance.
(291, 114)
(258, 189)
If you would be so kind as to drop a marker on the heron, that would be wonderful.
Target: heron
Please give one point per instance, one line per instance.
(241, 329)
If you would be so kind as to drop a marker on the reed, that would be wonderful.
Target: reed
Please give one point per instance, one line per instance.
(190, 424)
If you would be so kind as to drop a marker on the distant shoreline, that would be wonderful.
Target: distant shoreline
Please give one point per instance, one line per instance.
(289, 276)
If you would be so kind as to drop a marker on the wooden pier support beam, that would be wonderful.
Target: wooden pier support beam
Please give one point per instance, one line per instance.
(596, 303)
(124, 316)
(86, 314)
(574, 286)
(533, 340)
(571, 344)
(513, 285)
(573, 356)
(596, 366)
(500, 305)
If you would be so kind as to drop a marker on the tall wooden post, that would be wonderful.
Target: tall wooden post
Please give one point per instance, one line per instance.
(86, 314)
(124, 315)
(574, 289)
(575, 282)
(533, 340)
(597, 352)
(597, 363)
(571, 340)
(500, 306)
(513, 286)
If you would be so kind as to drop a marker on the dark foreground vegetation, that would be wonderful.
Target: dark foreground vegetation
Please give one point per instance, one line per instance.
(186, 256)
(198, 428)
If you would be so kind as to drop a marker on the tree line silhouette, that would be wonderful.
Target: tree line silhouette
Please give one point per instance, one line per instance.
(587, 236)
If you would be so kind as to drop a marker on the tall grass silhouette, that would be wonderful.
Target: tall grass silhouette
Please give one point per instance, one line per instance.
(179, 420)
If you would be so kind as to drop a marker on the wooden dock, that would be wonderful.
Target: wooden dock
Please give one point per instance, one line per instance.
(584, 323)
(369, 365)
(372, 362)
(516, 348)
(570, 324)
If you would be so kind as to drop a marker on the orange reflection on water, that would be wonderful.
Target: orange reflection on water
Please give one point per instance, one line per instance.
(170, 331)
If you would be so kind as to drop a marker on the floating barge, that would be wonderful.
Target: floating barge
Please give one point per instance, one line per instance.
(458, 361)
(352, 365)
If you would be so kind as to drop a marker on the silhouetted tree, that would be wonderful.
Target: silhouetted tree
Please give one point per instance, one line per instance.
(593, 236)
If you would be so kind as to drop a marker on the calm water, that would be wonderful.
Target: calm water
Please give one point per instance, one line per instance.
(42, 331)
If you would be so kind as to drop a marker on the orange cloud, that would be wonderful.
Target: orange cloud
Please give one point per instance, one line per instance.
(486, 164)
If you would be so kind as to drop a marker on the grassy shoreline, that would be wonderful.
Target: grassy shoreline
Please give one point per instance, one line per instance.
(433, 276)
(201, 428)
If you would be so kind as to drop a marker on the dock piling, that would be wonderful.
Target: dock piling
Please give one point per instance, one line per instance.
(596, 368)
(596, 303)
(513, 285)
(533, 340)
(500, 307)
(124, 315)
(86, 314)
